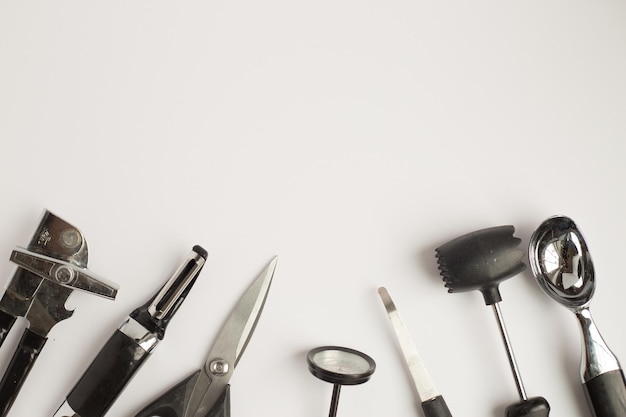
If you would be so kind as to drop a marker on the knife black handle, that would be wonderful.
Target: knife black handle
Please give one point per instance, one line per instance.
(606, 394)
(436, 407)
(107, 376)
(6, 322)
(23, 359)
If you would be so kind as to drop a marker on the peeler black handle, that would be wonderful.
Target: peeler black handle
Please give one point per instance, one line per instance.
(6, 323)
(23, 359)
(606, 394)
(107, 376)
(436, 407)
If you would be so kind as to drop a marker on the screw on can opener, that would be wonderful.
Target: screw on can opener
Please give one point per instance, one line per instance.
(49, 269)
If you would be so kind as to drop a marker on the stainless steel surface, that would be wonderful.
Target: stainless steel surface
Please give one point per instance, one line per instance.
(509, 352)
(597, 358)
(63, 273)
(170, 293)
(562, 265)
(53, 265)
(142, 336)
(561, 262)
(47, 240)
(422, 382)
(56, 250)
(230, 344)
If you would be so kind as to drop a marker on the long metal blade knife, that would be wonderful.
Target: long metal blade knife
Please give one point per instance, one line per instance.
(432, 402)
(49, 269)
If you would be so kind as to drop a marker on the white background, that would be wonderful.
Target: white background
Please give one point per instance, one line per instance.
(350, 138)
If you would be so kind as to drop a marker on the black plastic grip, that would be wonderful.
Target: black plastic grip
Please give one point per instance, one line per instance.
(606, 394)
(107, 376)
(23, 359)
(531, 407)
(173, 402)
(436, 407)
(6, 322)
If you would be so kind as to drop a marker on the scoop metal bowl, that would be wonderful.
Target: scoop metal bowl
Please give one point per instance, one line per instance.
(561, 263)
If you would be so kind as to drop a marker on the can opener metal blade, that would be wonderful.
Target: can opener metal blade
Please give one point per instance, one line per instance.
(52, 266)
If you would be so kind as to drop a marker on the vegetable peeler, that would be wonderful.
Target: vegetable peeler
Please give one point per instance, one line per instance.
(131, 344)
(52, 266)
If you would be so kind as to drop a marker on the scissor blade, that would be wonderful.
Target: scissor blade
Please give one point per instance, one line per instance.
(240, 325)
(230, 344)
(421, 380)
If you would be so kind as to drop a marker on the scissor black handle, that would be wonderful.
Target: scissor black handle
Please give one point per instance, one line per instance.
(173, 402)
(6, 322)
(21, 363)
(222, 405)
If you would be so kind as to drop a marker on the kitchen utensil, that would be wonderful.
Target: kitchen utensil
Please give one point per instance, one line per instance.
(340, 366)
(561, 263)
(131, 344)
(53, 265)
(206, 392)
(481, 260)
(431, 401)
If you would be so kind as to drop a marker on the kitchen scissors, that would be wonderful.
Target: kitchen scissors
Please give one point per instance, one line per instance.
(206, 392)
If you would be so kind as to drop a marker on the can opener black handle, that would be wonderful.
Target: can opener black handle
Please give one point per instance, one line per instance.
(53, 265)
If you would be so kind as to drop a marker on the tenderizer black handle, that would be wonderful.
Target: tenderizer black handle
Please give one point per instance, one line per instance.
(531, 407)
(606, 394)
(23, 359)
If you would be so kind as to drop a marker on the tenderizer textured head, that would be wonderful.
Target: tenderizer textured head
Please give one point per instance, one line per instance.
(480, 260)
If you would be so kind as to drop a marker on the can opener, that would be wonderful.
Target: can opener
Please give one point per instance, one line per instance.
(52, 266)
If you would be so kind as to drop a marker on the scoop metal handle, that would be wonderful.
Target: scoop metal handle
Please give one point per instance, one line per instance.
(602, 376)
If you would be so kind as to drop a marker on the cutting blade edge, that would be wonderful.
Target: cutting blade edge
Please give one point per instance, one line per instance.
(230, 344)
(421, 379)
